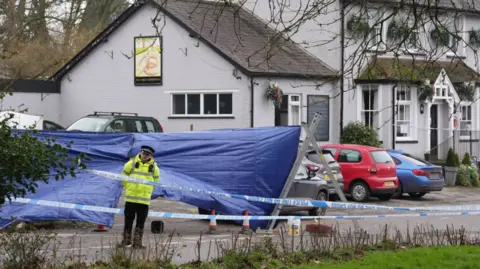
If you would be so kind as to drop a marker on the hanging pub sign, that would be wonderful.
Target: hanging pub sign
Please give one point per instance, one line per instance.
(148, 60)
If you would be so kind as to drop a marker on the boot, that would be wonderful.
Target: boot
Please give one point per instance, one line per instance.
(137, 239)
(127, 240)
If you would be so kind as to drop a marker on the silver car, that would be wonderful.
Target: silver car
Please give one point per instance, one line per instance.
(307, 185)
(313, 162)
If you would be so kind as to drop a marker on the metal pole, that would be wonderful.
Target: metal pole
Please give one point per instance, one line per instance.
(293, 172)
(330, 174)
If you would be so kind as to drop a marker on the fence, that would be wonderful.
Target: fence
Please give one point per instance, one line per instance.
(462, 141)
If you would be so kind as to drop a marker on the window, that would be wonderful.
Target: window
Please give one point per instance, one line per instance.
(381, 156)
(349, 156)
(301, 172)
(138, 127)
(150, 127)
(413, 161)
(466, 121)
(116, 126)
(202, 104)
(413, 40)
(369, 110)
(319, 104)
(88, 124)
(397, 161)
(332, 150)
(404, 113)
(289, 112)
(375, 21)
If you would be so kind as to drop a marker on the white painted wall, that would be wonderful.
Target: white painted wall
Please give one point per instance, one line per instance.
(49, 107)
(100, 83)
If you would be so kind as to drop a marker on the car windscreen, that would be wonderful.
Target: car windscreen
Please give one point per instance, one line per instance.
(381, 156)
(88, 124)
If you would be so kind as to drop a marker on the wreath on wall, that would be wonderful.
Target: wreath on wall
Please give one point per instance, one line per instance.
(274, 93)
(466, 91)
(441, 36)
(474, 39)
(358, 26)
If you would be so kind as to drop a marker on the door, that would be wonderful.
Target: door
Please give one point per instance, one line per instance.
(434, 131)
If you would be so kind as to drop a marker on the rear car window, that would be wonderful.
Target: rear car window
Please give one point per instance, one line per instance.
(413, 160)
(314, 157)
(150, 126)
(381, 156)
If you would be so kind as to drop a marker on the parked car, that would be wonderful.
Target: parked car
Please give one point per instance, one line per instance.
(313, 162)
(367, 171)
(116, 122)
(307, 185)
(416, 177)
(52, 126)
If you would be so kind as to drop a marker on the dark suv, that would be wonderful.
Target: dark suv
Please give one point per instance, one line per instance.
(116, 122)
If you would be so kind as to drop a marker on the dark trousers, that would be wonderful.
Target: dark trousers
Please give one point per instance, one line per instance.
(132, 210)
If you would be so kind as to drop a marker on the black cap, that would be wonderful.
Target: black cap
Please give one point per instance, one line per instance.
(148, 149)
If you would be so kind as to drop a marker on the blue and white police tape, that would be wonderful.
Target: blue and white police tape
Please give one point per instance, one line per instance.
(290, 202)
(171, 215)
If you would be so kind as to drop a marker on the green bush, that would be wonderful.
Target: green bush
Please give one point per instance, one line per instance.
(450, 158)
(457, 160)
(359, 134)
(463, 176)
(466, 159)
(474, 175)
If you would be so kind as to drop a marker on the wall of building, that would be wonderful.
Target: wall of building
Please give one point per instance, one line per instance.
(326, 91)
(46, 104)
(104, 80)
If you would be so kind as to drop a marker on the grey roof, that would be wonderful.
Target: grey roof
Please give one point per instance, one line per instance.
(245, 38)
(233, 32)
(472, 6)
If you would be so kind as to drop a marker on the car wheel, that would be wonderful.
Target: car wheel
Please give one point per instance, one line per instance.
(360, 191)
(385, 197)
(319, 211)
(417, 194)
(399, 192)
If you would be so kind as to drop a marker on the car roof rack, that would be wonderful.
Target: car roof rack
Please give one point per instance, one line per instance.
(100, 113)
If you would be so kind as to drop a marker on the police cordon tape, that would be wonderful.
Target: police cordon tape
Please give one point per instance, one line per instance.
(290, 202)
(171, 215)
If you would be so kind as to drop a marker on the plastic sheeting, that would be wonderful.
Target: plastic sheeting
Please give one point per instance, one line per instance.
(240, 161)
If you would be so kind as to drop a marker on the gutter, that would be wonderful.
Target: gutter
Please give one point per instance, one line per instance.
(252, 104)
(393, 115)
(342, 59)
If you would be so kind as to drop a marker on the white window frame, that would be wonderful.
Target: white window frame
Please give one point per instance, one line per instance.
(418, 44)
(461, 120)
(292, 104)
(411, 104)
(202, 93)
(460, 46)
(375, 88)
(376, 24)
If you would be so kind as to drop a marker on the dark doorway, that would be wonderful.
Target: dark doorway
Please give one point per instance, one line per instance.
(434, 131)
(281, 113)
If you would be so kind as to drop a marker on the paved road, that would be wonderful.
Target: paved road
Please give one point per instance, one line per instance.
(89, 246)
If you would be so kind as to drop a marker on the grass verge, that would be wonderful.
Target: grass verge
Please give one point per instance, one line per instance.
(465, 257)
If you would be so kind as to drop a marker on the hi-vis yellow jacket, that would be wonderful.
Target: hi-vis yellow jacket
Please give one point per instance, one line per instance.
(135, 192)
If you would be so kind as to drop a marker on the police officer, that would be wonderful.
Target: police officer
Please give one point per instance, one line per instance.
(138, 196)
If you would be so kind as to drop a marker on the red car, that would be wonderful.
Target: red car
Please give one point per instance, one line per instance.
(367, 171)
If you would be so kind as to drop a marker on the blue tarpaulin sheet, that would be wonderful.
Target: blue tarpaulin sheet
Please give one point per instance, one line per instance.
(253, 161)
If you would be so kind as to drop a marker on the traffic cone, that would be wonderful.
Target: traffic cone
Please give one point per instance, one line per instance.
(246, 224)
(101, 228)
(213, 224)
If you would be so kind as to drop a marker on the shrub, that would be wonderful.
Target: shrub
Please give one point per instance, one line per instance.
(463, 176)
(358, 133)
(474, 175)
(466, 159)
(457, 160)
(450, 158)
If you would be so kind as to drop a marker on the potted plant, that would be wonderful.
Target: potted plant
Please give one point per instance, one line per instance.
(451, 168)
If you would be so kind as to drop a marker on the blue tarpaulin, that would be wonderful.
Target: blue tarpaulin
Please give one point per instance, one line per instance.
(252, 162)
